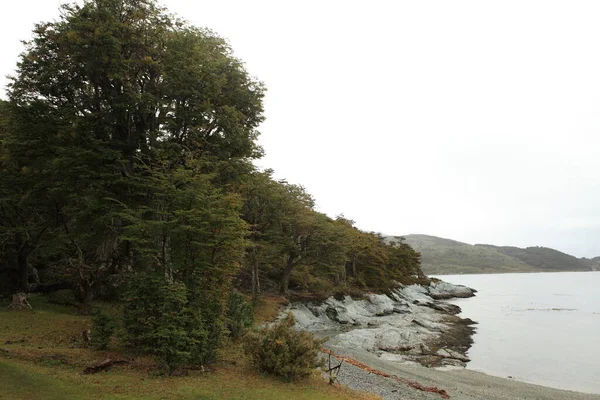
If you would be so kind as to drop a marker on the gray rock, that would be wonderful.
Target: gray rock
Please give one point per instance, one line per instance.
(444, 290)
(402, 323)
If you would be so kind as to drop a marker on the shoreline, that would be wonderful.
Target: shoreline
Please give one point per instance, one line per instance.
(462, 384)
(408, 339)
(410, 323)
(511, 272)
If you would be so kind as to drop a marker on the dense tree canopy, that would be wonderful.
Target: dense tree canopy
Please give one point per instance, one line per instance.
(126, 152)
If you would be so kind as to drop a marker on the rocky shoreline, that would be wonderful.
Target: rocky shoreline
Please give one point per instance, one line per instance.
(392, 335)
(409, 325)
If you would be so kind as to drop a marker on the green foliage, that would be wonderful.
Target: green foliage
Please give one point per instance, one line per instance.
(282, 351)
(125, 151)
(124, 131)
(64, 297)
(103, 328)
(158, 320)
(240, 314)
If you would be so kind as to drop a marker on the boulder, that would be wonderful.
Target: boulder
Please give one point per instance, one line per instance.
(443, 290)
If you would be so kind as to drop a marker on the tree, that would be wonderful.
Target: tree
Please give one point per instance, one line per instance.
(141, 124)
(24, 221)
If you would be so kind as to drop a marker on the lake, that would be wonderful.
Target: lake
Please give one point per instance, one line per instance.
(541, 328)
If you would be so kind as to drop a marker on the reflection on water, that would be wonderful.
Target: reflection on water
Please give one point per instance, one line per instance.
(540, 328)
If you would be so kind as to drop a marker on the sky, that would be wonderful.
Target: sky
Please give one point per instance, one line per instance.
(477, 120)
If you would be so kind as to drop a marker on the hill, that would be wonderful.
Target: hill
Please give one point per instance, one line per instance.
(446, 256)
(542, 258)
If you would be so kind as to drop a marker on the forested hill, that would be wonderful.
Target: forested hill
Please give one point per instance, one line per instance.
(445, 256)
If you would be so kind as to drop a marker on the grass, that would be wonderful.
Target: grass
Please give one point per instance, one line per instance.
(42, 356)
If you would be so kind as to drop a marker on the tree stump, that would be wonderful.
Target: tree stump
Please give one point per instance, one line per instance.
(19, 302)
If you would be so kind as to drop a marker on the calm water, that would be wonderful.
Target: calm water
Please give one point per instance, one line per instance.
(540, 328)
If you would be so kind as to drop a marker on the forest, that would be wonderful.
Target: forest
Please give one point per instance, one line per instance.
(127, 143)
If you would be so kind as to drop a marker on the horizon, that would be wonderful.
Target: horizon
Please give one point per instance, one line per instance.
(473, 121)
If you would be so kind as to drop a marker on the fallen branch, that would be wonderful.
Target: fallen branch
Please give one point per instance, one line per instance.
(103, 366)
(365, 367)
(333, 371)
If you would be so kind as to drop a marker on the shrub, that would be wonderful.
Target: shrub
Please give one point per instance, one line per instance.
(282, 351)
(158, 320)
(103, 328)
(240, 315)
(63, 297)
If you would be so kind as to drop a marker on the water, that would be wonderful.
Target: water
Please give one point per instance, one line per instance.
(540, 328)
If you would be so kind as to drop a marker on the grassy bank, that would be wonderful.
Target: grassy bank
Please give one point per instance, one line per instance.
(42, 356)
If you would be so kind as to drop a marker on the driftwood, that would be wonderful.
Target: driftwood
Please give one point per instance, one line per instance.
(19, 302)
(333, 372)
(103, 366)
(365, 367)
(16, 341)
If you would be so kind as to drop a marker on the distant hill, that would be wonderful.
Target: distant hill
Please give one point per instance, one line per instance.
(543, 258)
(445, 256)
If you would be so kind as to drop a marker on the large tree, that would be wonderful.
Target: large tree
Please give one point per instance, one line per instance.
(138, 124)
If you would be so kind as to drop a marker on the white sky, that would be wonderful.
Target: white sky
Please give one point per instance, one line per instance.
(472, 120)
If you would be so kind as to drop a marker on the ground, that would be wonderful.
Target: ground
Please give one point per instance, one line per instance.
(42, 355)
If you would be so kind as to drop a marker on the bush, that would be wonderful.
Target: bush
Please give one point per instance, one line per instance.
(63, 297)
(240, 315)
(103, 328)
(282, 351)
(158, 320)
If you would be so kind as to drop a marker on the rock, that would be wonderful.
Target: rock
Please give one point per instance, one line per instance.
(447, 353)
(332, 313)
(443, 290)
(404, 324)
(451, 309)
(19, 302)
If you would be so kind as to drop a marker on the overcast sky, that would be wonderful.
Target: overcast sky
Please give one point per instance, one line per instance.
(477, 120)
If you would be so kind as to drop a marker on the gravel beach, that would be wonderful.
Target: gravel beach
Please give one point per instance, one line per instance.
(458, 383)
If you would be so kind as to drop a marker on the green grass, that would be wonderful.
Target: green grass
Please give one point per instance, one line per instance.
(22, 380)
(46, 360)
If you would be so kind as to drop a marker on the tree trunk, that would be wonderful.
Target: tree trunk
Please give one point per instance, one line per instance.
(165, 258)
(88, 293)
(255, 277)
(23, 270)
(19, 302)
(287, 272)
